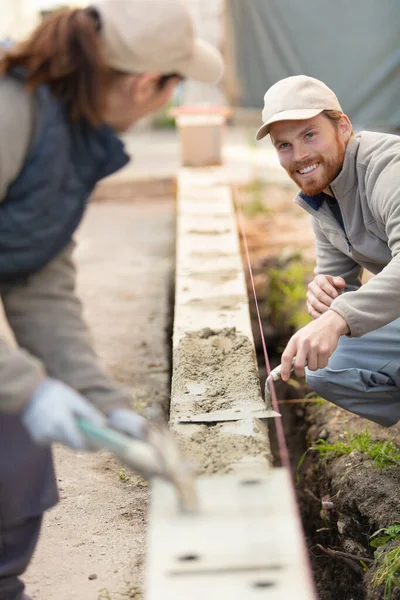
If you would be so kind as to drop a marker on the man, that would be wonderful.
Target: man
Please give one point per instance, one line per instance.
(83, 76)
(350, 185)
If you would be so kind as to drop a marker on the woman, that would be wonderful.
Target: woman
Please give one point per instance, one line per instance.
(82, 77)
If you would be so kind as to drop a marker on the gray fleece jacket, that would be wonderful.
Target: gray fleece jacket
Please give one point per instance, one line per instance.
(368, 193)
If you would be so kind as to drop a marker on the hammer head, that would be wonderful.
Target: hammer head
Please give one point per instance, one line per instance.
(175, 466)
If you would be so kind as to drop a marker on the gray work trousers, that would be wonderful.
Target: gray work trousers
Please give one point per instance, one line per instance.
(363, 375)
(27, 488)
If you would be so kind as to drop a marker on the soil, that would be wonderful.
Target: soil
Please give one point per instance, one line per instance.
(363, 499)
(93, 543)
(343, 500)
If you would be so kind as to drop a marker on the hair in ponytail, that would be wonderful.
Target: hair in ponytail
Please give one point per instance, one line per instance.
(64, 53)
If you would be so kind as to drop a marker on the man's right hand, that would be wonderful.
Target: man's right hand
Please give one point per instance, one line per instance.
(51, 414)
(321, 293)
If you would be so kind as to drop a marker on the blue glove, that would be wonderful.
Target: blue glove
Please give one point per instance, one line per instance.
(129, 422)
(51, 415)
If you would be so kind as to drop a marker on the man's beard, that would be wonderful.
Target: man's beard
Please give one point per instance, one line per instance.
(327, 171)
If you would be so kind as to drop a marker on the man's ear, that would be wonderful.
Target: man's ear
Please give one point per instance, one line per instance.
(345, 127)
(144, 87)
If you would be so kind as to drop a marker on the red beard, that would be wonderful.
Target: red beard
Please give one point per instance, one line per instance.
(326, 172)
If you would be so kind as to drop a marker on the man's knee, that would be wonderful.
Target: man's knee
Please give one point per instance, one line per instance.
(318, 381)
(368, 394)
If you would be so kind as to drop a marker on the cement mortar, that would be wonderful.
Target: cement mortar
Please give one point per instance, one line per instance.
(205, 255)
(218, 303)
(215, 277)
(216, 370)
(221, 448)
(209, 231)
(221, 363)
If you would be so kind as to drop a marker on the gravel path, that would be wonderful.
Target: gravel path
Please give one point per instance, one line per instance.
(93, 542)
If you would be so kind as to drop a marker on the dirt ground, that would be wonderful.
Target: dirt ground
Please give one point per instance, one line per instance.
(362, 499)
(358, 498)
(93, 542)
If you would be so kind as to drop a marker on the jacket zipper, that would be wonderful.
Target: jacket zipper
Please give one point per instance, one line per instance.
(344, 229)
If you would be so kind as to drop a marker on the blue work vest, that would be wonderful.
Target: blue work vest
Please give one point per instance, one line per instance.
(45, 203)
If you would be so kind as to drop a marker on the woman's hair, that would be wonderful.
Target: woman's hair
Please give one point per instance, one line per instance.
(64, 53)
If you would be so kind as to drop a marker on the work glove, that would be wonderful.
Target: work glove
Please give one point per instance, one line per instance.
(51, 414)
(129, 422)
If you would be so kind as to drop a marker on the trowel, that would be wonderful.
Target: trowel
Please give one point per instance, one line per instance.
(157, 455)
(274, 375)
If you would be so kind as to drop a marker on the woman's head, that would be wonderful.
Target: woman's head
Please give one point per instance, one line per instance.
(116, 61)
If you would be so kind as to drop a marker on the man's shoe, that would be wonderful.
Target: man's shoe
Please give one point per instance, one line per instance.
(25, 597)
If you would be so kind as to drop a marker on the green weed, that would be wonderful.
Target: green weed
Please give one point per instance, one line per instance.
(390, 533)
(162, 120)
(287, 293)
(122, 475)
(387, 571)
(384, 455)
(104, 594)
(256, 205)
(313, 396)
(251, 140)
(135, 594)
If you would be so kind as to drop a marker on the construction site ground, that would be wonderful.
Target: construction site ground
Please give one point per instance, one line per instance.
(93, 542)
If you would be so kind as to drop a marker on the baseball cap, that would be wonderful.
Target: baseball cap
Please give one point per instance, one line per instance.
(142, 36)
(296, 98)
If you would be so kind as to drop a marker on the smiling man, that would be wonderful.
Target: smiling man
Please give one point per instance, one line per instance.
(350, 185)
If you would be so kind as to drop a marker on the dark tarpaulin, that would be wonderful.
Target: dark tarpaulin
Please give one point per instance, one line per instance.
(354, 47)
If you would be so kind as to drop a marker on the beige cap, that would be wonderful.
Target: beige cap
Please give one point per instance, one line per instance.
(296, 98)
(142, 36)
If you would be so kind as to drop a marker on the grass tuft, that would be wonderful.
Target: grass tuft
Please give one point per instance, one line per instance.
(384, 454)
(256, 204)
(387, 572)
(287, 292)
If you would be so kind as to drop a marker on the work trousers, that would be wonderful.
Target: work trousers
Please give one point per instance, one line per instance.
(363, 375)
(27, 488)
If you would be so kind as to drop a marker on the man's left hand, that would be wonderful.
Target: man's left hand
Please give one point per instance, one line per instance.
(313, 345)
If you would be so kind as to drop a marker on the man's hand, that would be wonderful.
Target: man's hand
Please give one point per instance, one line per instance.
(314, 344)
(321, 293)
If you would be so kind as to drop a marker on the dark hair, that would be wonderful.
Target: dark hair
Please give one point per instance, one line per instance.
(64, 53)
(164, 79)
